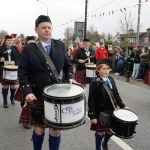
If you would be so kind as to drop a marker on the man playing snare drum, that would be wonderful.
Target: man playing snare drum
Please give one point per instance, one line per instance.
(10, 54)
(81, 59)
(34, 74)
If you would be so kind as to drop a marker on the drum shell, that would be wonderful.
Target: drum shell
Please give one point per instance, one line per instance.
(64, 112)
(123, 129)
(90, 72)
(10, 74)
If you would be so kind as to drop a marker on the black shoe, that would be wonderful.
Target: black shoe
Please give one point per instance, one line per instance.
(105, 147)
(12, 102)
(27, 126)
(6, 106)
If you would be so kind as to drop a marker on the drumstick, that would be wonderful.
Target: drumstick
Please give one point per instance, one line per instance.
(88, 58)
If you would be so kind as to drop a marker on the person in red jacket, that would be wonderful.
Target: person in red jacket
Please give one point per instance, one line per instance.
(101, 52)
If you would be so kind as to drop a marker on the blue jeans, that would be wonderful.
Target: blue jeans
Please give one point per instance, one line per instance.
(143, 68)
(136, 68)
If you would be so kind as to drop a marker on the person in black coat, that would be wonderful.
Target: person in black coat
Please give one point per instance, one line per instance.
(99, 101)
(35, 74)
(9, 54)
(82, 54)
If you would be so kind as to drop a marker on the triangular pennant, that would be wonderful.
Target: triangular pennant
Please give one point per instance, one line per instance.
(125, 9)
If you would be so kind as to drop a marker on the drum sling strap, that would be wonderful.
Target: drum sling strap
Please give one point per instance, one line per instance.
(105, 118)
(49, 61)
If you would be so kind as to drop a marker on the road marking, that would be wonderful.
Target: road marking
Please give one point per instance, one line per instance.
(121, 143)
(117, 140)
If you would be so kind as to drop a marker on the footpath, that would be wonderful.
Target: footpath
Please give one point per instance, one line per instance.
(135, 82)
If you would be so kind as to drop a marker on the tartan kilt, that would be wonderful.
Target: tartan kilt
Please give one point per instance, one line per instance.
(26, 115)
(99, 128)
(19, 95)
(80, 77)
(4, 82)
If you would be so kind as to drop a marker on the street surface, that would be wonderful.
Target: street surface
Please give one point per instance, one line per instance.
(14, 137)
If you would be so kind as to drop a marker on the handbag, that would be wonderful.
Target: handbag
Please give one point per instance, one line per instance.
(105, 117)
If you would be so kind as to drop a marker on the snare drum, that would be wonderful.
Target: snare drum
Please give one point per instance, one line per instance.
(64, 105)
(10, 73)
(124, 123)
(90, 70)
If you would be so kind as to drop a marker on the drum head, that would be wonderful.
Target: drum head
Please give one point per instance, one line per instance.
(64, 90)
(125, 115)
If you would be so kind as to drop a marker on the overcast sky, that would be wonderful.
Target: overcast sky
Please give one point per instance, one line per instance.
(18, 16)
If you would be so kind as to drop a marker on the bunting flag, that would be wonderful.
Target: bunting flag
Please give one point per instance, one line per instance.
(124, 9)
(13, 35)
(111, 12)
(108, 13)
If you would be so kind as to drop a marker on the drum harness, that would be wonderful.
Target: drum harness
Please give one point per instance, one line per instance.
(54, 72)
(58, 78)
(111, 96)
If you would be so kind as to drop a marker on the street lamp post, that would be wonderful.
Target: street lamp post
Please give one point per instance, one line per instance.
(138, 24)
(45, 5)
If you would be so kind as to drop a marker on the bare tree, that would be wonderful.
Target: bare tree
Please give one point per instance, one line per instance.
(68, 35)
(109, 36)
(127, 24)
(93, 35)
(2, 34)
(103, 35)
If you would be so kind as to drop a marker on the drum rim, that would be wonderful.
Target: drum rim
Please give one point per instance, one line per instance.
(65, 125)
(126, 120)
(124, 137)
(10, 69)
(7, 80)
(58, 100)
(91, 68)
(81, 94)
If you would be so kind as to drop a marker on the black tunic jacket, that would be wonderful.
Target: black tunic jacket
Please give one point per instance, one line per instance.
(99, 100)
(14, 55)
(80, 54)
(34, 73)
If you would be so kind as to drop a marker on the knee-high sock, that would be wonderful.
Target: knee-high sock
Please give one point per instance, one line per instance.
(37, 141)
(5, 93)
(106, 138)
(12, 93)
(98, 141)
(54, 142)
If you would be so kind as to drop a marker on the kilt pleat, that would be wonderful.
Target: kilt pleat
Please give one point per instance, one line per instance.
(99, 128)
(80, 77)
(26, 115)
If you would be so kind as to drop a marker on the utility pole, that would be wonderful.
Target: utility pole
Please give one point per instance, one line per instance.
(85, 23)
(45, 5)
(138, 24)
